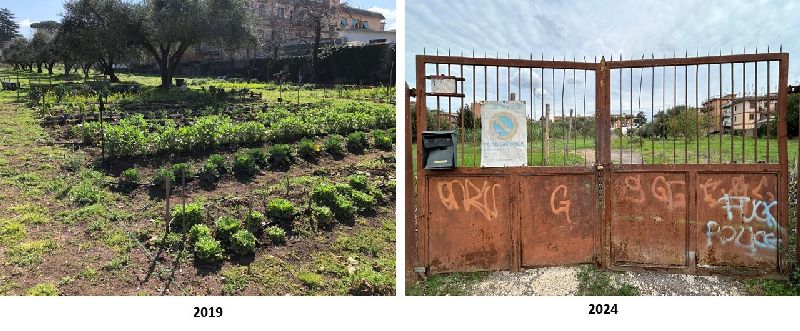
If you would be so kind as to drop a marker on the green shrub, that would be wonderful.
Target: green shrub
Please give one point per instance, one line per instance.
(181, 170)
(226, 227)
(363, 201)
(280, 210)
(161, 176)
(357, 142)
(276, 234)
(258, 156)
(280, 156)
(333, 145)
(244, 165)
(243, 242)
(188, 215)
(130, 177)
(255, 221)
(382, 140)
(307, 149)
(198, 231)
(208, 250)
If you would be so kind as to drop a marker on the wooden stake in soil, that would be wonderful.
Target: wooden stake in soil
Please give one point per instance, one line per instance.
(166, 197)
(102, 129)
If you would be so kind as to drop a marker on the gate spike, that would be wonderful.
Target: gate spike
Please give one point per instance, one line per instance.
(423, 51)
(437, 51)
(767, 48)
(781, 49)
(448, 52)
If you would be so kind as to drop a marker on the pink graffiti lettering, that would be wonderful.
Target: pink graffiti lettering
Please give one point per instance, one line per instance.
(480, 199)
(563, 205)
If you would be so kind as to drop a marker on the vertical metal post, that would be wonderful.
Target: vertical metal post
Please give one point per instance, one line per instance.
(166, 198)
(546, 134)
(422, 207)
(410, 231)
(102, 129)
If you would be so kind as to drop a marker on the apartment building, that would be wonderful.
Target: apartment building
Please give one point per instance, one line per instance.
(713, 108)
(747, 113)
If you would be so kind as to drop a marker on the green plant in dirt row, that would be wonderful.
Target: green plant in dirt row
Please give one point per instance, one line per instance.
(382, 140)
(345, 211)
(324, 195)
(226, 227)
(198, 231)
(126, 138)
(322, 215)
(243, 242)
(182, 170)
(333, 145)
(359, 182)
(276, 234)
(44, 289)
(130, 177)
(219, 162)
(255, 221)
(357, 142)
(363, 201)
(209, 172)
(280, 156)
(307, 149)
(188, 215)
(280, 210)
(208, 250)
(258, 156)
(161, 177)
(244, 165)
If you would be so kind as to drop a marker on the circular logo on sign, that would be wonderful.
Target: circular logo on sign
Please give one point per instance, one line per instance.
(504, 125)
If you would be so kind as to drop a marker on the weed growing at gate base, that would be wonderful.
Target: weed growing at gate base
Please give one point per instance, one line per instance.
(593, 282)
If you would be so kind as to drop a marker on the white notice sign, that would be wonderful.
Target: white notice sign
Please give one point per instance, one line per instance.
(504, 134)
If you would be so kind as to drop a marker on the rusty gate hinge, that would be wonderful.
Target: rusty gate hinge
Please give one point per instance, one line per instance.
(412, 92)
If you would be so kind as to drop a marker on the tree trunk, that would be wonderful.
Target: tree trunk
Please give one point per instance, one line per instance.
(315, 51)
(39, 67)
(108, 70)
(49, 67)
(67, 68)
(86, 68)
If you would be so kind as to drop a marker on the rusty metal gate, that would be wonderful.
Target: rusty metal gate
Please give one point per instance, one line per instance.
(701, 185)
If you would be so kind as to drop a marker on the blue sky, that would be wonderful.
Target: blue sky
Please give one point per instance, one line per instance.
(567, 29)
(28, 12)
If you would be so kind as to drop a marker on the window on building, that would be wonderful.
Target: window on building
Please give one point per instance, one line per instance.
(262, 9)
(355, 24)
(343, 22)
(752, 117)
(366, 25)
(279, 12)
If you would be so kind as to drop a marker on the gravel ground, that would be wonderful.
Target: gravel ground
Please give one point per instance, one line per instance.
(564, 281)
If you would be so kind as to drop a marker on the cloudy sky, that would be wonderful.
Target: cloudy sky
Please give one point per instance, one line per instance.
(578, 29)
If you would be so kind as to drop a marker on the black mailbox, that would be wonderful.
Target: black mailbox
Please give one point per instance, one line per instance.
(439, 149)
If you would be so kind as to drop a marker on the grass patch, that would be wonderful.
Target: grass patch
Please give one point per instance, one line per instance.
(593, 282)
(30, 252)
(453, 284)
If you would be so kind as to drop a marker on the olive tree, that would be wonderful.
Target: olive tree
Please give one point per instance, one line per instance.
(169, 28)
(105, 29)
